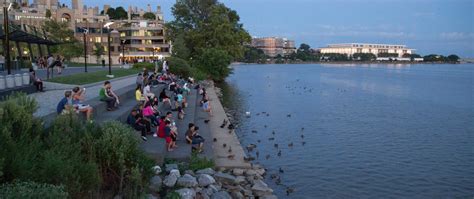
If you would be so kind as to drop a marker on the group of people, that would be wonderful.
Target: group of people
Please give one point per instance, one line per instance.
(50, 62)
(146, 115)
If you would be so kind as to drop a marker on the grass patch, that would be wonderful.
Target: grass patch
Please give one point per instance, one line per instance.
(198, 163)
(92, 77)
(73, 64)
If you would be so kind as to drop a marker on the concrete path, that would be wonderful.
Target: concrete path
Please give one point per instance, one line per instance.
(224, 137)
(42, 73)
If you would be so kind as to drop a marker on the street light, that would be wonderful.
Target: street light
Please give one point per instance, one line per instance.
(107, 25)
(6, 42)
(85, 31)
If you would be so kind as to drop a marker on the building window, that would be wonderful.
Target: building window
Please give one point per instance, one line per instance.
(98, 39)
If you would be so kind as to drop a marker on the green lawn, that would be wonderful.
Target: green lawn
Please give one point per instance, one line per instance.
(72, 64)
(92, 77)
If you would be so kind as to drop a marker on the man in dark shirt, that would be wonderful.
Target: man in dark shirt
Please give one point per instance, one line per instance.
(137, 123)
(64, 103)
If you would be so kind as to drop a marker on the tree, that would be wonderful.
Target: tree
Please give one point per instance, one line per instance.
(207, 27)
(149, 16)
(453, 58)
(387, 55)
(364, 56)
(304, 47)
(98, 51)
(215, 63)
(254, 55)
(69, 46)
(117, 13)
(48, 13)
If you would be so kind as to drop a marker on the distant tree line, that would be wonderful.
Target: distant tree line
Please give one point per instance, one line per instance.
(305, 54)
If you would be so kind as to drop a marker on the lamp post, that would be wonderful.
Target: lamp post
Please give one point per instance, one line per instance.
(6, 42)
(85, 49)
(107, 25)
(123, 52)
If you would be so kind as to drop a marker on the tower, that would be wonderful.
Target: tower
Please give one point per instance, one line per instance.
(77, 6)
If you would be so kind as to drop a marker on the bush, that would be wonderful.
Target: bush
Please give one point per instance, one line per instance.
(31, 190)
(179, 66)
(147, 65)
(197, 163)
(197, 74)
(215, 63)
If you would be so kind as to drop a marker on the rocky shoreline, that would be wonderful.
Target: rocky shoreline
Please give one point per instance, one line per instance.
(210, 184)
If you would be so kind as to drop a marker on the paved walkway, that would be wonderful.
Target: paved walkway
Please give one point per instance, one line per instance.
(48, 100)
(41, 73)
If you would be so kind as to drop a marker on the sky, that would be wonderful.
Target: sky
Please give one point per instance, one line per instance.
(429, 26)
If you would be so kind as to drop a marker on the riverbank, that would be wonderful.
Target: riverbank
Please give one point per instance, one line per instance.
(346, 62)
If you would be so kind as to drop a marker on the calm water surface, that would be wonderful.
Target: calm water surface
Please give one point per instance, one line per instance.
(370, 131)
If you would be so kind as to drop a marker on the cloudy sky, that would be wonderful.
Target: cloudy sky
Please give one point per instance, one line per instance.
(430, 26)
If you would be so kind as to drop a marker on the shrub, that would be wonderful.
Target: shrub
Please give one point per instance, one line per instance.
(198, 74)
(31, 190)
(197, 163)
(215, 63)
(147, 65)
(179, 66)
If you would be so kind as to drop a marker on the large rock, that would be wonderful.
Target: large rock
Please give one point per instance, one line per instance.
(156, 169)
(238, 172)
(202, 195)
(221, 195)
(240, 180)
(187, 181)
(224, 178)
(205, 180)
(207, 171)
(190, 172)
(237, 195)
(170, 167)
(155, 184)
(250, 172)
(170, 180)
(260, 188)
(175, 172)
(186, 193)
(269, 197)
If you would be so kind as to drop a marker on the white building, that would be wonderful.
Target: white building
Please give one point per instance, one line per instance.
(352, 48)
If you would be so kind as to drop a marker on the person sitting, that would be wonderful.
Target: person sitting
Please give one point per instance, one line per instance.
(64, 106)
(206, 106)
(139, 80)
(147, 91)
(149, 113)
(164, 98)
(181, 100)
(107, 95)
(135, 120)
(77, 99)
(193, 138)
(36, 80)
(138, 94)
(160, 132)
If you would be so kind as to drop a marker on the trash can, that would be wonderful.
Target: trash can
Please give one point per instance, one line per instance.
(18, 80)
(26, 79)
(2, 82)
(103, 63)
(10, 82)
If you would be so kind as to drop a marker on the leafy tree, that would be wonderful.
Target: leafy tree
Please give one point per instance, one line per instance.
(69, 46)
(180, 49)
(111, 13)
(117, 13)
(387, 55)
(209, 28)
(254, 55)
(304, 47)
(149, 16)
(98, 51)
(215, 63)
(453, 58)
(335, 57)
(434, 58)
(48, 13)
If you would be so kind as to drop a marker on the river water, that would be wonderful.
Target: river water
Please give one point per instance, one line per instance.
(369, 131)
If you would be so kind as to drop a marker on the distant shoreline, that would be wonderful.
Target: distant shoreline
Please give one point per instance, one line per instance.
(353, 62)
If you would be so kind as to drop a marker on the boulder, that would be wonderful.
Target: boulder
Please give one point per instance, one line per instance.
(190, 172)
(221, 195)
(240, 180)
(237, 195)
(224, 178)
(248, 192)
(170, 180)
(260, 188)
(202, 195)
(250, 172)
(186, 193)
(207, 171)
(155, 184)
(175, 172)
(156, 169)
(170, 167)
(238, 172)
(260, 171)
(187, 181)
(205, 180)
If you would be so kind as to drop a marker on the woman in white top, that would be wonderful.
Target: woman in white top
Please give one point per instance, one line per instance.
(147, 91)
